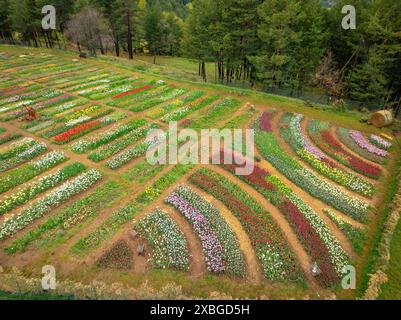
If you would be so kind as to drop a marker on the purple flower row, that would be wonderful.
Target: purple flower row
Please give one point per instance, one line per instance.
(303, 140)
(212, 247)
(365, 144)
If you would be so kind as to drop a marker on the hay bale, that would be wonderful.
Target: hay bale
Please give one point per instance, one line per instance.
(382, 118)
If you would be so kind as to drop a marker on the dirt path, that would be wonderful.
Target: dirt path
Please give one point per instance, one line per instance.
(302, 257)
(253, 268)
(197, 266)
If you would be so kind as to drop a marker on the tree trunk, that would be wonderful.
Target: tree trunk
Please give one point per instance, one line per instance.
(58, 40)
(117, 46)
(204, 71)
(101, 45)
(154, 58)
(129, 36)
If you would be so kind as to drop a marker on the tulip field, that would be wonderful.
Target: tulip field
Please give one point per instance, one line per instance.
(77, 192)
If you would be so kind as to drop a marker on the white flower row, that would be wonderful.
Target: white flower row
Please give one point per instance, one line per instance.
(76, 121)
(49, 160)
(127, 155)
(19, 221)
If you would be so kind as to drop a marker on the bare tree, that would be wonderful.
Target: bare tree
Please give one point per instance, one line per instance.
(329, 77)
(88, 28)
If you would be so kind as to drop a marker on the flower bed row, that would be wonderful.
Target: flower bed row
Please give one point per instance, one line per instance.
(28, 171)
(190, 108)
(16, 147)
(43, 184)
(131, 92)
(103, 197)
(127, 155)
(290, 130)
(213, 115)
(380, 142)
(277, 260)
(359, 138)
(140, 97)
(127, 213)
(169, 245)
(102, 92)
(350, 139)
(85, 82)
(168, 95)
(87, 127)
(356, 236)
(28, 154)
(55, 198)
(266, 121)
(188, 100)
(76, 118)
(8, 136)
(310, 229)
(220, 244)
(270, 148)
(119, 145)
(50, 102)
(104, 138)
(322, 137)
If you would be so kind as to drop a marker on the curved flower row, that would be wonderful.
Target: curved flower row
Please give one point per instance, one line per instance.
(170, 248)
(291, 132)
(380, 142)
(365, 144)
(311, 230)
(232, 255)
(55, 198)
(358, 146)
(43, 184)
(108, 136)
(277, 260)
(28, 154)
(307, 180)
(212, 248)
(320, 134)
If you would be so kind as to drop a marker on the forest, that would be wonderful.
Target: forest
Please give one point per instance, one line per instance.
(271, 45)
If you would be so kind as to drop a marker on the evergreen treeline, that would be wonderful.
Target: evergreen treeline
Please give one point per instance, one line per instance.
(277, 44)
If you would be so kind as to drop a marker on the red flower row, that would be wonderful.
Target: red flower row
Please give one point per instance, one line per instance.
(67, 135)
(265, 121)
(312, 242)
(131, 92)
(355, 163)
